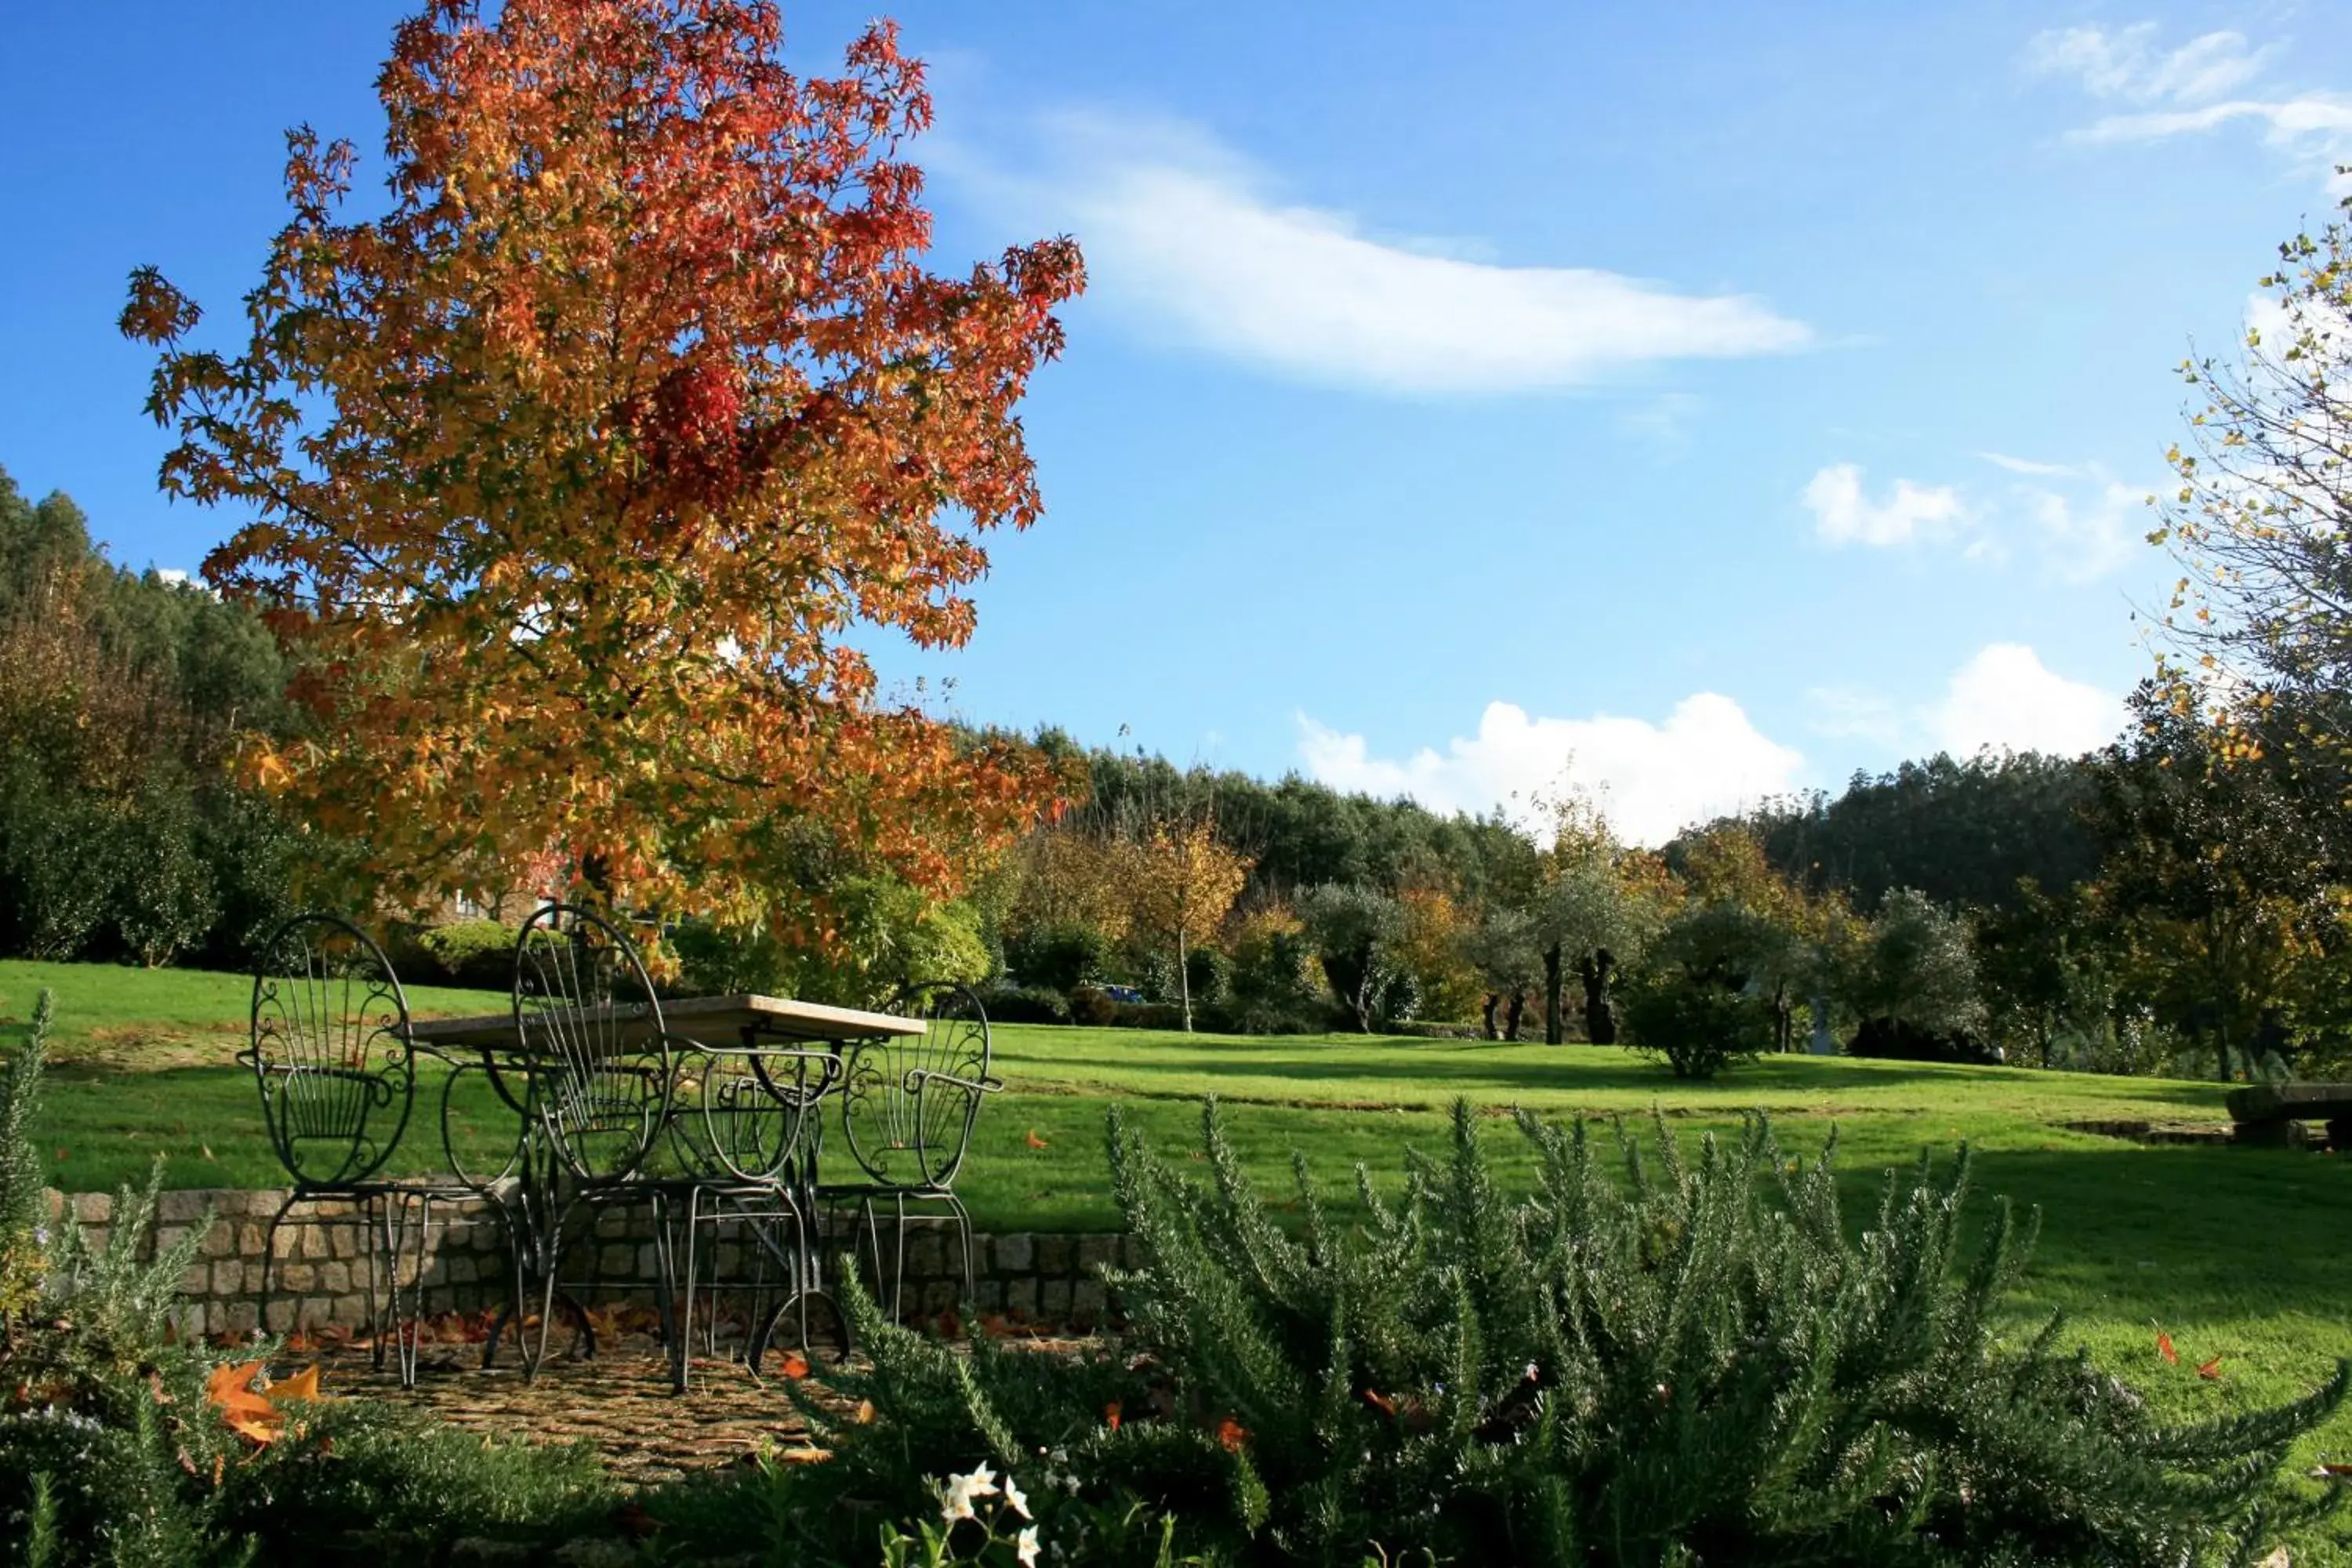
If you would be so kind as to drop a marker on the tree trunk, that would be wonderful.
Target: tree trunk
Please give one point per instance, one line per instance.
(1599, 1017)
(1511, 1014)
(1184, 979)
(1784, 1017)
(1552, 1031)
(1493, 1000)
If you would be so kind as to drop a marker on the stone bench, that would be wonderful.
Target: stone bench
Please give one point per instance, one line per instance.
(2270, 1115)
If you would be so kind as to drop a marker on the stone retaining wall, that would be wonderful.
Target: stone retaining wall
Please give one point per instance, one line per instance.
(319, 1275)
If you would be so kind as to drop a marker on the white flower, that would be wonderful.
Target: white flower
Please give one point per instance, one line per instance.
(1013, 1495)
(1027, 1549)
(956, 1494)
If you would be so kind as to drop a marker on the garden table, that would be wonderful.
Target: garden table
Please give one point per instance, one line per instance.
(754, 1027)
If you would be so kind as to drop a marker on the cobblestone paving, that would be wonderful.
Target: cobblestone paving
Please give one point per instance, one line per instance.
(620, 1400)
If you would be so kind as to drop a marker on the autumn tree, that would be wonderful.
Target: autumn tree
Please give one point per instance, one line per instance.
(566, 478)
(1185, 884)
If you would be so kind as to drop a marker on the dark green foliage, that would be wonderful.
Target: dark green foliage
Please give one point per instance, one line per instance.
(1699, 1002)
(122, 832)
(1961, 832)
(375, 1482)
(1646, 1360)
(1025, 1004)
(1059, 957)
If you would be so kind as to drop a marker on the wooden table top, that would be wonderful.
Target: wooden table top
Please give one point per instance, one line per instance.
(714, 1021)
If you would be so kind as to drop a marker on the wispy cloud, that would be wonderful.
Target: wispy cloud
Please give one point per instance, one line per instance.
(1193, 240)
(2079, 519)
(2163, 93)
(1705, 758)
(1845, 514)
(2126, 63)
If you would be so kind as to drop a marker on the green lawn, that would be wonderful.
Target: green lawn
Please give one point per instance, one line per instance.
(2244, 1254)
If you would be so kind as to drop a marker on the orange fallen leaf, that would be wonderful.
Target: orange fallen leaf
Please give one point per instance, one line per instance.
(795, 1365)
(1379, 1402)
(866, 1413)
(2211, 1368)
(302, 1385)
(1036, 1142)
(2164, 1348)
(1110, 1414)
(1231, 1434)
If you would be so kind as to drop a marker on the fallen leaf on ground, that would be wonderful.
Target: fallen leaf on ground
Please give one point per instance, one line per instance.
(2164, 1348)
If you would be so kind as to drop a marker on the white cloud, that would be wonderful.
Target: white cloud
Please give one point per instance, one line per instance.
(1842, 514)
(2312, 123)
(1706, 759)
(2005, 699)
(2125, 64)
(2083, 521)
(2180, 92)
(1188, 237)
(2029, 466)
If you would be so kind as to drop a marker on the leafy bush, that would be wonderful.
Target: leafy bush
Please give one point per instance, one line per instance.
(1153, 1015)
(478, 954)
(1696, 1001)
(1060, 957)
(1025, 1004)
(1643, 1360)
(1092, 1005)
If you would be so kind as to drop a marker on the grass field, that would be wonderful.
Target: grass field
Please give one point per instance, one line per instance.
(2244, 1254)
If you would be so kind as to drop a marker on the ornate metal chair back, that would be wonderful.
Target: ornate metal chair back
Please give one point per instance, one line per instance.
(590, 1031)
(329, 1050)
(908, 1102)
(742, 1113)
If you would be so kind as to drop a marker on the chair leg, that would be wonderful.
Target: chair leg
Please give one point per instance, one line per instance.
(963, 1233)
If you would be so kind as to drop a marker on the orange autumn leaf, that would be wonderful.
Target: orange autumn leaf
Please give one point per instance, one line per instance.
(2164, 1348)
(2211, 1368)
(256, 1414)
(795, 1365)
(1379, 1402)
(576, 479)
(1231, 1434)
(1110, 1414)
(1036, 1142)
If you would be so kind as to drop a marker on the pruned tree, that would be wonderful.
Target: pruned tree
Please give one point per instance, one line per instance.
(565, 479)
(1597, 904)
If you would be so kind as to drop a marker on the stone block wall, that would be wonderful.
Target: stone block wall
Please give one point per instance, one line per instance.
(320, 1274)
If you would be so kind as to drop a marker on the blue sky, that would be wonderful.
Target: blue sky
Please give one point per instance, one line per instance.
(1705, 401)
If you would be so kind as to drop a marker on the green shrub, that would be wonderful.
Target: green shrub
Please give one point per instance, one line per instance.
(1025, 1004)
(1060, 957)
(1153, 1015)
(1696, 1001)
(1092, 1005)
(477, 955)
(1643, 1360)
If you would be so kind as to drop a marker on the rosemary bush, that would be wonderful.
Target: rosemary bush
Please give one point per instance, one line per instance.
(111, 1451)
(1643, 1360)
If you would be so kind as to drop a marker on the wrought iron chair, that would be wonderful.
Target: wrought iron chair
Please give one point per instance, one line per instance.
(596, 1076)
(907, 1107)
(331, 1053)
(743, 1123)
